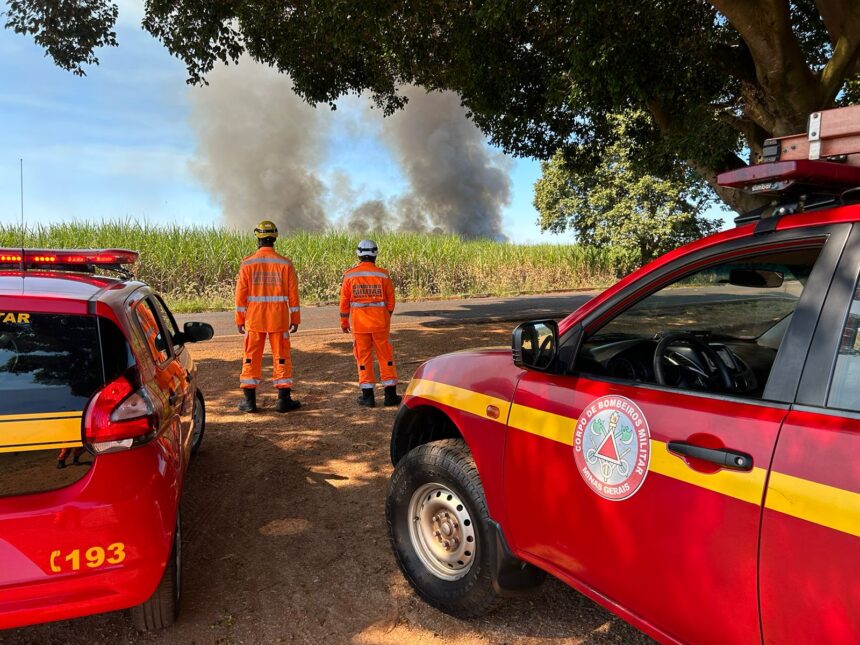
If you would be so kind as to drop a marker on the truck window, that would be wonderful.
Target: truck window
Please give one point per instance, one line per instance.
(845, 382)
(741, 310)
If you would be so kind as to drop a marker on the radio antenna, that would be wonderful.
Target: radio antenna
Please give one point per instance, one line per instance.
(23, 230)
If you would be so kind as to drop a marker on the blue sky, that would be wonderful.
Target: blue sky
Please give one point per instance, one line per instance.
(117, 143)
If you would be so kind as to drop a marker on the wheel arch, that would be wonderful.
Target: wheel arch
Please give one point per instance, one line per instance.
(416, 426)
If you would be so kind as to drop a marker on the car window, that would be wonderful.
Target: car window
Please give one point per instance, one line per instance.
(50, 366)
(166, 316)
(152, 330)
(50, 363)
(739, 311)
(845, 383)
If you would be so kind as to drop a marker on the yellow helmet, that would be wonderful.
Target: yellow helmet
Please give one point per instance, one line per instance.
(266, 229)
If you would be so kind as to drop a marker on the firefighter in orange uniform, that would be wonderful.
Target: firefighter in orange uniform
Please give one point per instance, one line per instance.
(366, 305)
(267, 306)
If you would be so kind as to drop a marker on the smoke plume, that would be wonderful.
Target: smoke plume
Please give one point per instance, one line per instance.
(258, 148)
(455, 180)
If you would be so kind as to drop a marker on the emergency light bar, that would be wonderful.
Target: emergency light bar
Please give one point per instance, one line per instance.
(74, 259)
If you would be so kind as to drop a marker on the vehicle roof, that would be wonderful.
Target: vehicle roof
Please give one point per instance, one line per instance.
(48, 285)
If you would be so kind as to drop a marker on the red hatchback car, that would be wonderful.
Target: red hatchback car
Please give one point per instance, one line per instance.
(99, 416)
(684, 448)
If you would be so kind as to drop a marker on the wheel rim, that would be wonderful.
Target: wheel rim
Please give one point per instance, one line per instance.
(442, 531)
(197, 423)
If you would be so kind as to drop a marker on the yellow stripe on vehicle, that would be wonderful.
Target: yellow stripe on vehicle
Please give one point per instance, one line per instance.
(46, 431)
(745, 486)
(827, 506)
(543, 424)
(818, 503)
(458, 397)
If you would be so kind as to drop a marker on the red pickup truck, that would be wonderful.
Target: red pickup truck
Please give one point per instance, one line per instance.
(683, 449)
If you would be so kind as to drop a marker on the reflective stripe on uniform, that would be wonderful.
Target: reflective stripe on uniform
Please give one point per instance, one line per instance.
(268, 299)
(367, 274)
(391, 382)
(249, 381)
(367, 386)
(241, 309)
(283, 381)
(295, 310)
(266, 261)
(366, 304)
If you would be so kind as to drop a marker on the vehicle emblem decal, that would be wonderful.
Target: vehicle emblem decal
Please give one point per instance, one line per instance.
(612, 447)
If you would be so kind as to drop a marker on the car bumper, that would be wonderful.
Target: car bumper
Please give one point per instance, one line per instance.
(98, 545)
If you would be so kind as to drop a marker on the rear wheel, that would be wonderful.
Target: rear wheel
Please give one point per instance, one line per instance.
(438, 526)
(162, 607)
(198, 422)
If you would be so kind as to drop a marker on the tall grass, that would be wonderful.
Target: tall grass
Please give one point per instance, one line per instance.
(196, 267)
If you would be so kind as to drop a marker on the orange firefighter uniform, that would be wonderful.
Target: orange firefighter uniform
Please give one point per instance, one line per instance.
(366, 305)
(267, 304)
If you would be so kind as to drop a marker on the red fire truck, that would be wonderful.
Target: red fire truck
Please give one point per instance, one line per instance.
(683, 449)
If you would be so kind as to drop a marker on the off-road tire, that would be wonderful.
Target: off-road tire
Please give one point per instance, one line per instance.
(161, 609)
(196, 443)
(447, 462)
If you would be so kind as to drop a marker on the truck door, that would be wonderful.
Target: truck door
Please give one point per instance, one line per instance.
(610, 473)
(810, 544)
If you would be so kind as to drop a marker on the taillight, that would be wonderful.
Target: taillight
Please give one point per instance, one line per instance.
(119, 416)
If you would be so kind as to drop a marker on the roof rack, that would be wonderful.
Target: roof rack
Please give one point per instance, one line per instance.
(816, 169)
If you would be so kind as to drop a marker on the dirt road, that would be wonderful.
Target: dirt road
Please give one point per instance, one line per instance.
(283, 526)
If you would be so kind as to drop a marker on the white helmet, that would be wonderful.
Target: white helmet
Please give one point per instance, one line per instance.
(367, 248)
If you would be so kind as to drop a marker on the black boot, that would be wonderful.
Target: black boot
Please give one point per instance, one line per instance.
(367, 398)
(391, 396)
(249, 404)
(285, 401)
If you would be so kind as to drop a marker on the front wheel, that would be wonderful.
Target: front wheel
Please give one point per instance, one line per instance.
(160, 610)
(439, 528)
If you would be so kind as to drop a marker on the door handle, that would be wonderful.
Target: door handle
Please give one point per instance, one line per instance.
(731, 459)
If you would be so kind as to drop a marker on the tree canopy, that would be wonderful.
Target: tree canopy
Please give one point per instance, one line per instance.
(715, 78)
(617, 205)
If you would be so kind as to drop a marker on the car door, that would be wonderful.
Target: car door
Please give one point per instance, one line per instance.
(164, 374)
(602, 478)
(185, 370)
(810, 544)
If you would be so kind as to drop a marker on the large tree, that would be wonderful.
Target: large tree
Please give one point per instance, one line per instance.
(537, 76)
(617, 205)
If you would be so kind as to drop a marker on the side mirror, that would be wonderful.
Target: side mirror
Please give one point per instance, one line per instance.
(756, 278)
(194, 332)
(535, 344)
